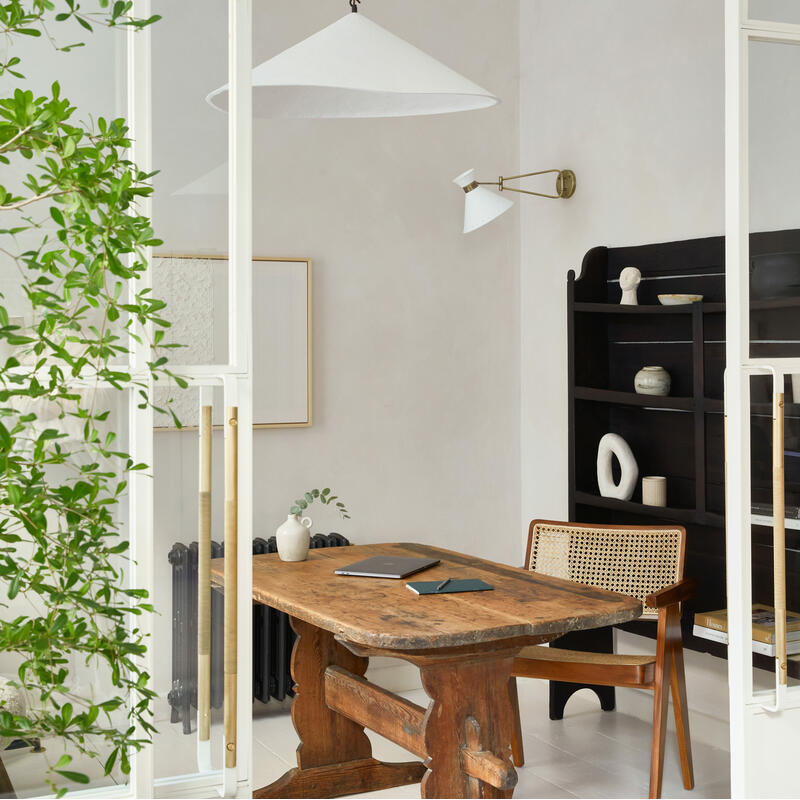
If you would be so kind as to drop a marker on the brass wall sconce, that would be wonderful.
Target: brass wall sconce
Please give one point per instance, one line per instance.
(483, 206)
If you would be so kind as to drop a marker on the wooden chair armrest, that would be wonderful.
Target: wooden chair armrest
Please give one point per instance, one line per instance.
(669, 595)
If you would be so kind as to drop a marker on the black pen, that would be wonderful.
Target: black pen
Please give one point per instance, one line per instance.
(442, 584)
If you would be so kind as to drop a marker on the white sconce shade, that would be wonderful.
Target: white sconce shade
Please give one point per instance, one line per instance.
(356, 68)
(481, 205)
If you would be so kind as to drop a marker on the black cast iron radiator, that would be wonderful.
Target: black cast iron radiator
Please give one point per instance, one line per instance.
(273, 636)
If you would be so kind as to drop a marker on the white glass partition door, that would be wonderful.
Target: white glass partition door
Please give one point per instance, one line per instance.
(765, 722)
(214, 758)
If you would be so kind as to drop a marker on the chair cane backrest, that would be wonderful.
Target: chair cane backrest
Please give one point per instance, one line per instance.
(635, 561)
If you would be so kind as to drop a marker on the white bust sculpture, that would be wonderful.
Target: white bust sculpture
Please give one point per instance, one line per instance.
(629, 280)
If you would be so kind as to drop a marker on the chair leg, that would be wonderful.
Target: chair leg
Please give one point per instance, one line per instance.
(668, 621)
(681, 709)
(517, 751)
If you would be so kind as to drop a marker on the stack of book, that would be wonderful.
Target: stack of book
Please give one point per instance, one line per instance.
(713, 625)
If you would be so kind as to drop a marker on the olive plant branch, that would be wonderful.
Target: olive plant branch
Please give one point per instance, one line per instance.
(22, 132)
(28, 200)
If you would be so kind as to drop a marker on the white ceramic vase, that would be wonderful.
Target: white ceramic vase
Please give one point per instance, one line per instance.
(653, 381)
(293, 538)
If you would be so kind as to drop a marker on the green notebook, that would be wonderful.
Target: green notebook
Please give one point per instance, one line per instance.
(465, 585)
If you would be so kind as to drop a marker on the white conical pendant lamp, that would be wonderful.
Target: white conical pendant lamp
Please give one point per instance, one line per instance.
(355, 68)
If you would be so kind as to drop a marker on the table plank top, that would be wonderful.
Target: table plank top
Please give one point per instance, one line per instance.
(383, 613)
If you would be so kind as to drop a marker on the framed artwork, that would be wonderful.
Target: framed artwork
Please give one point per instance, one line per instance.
(195, 288)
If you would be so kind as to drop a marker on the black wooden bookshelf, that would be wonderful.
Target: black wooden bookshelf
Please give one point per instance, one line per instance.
(680, 436)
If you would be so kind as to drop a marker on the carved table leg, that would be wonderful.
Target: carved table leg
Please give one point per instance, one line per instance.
(334, 757)
(469, 726)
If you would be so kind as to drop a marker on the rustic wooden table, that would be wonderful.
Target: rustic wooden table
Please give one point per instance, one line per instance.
(463, 644)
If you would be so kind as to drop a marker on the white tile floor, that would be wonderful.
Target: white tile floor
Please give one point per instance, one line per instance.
(590, 753)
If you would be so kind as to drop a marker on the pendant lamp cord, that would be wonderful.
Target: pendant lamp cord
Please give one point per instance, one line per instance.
(353, 5)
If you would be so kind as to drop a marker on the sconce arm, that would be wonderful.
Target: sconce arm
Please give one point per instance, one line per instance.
(529, 174)
(524, 191)
(565, 183)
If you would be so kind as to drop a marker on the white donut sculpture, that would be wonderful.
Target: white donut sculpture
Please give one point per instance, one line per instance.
(613, 444)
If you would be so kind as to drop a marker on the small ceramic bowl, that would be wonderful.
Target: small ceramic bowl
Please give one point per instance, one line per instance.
(679, 299)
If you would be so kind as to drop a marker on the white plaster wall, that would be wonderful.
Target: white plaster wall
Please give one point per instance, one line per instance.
(416, 326)
(629, 94)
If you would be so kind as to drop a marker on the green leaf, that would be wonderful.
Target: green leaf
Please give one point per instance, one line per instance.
(76, 777)
(110, 761)
(5, 438)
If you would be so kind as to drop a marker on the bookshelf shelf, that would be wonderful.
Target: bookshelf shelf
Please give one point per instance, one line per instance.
(685, 515)
(760, 519)
(633, 399)
(705, 308)
(642, 310)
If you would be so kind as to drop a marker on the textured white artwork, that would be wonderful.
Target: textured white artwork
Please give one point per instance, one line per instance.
(186, 285)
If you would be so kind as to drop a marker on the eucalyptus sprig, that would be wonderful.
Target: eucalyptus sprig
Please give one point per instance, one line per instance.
(324, 496)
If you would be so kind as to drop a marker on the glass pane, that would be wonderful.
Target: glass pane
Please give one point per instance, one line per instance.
(761, 445)
(774, 108)
(190, 202)
(774, 199)
(176, 481)
(190, 215)
(775, 10)
(71, 549)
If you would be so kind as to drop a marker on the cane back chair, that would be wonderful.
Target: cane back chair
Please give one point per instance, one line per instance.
(644, 562)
